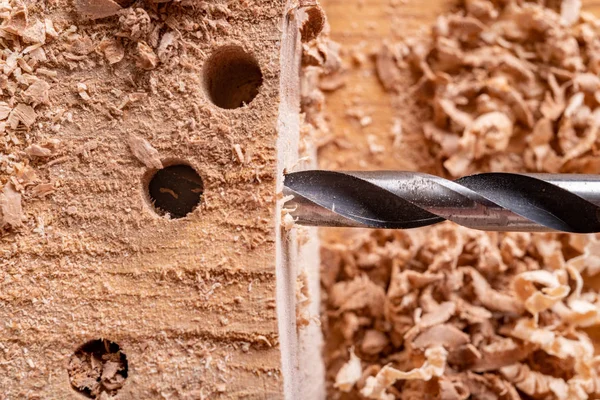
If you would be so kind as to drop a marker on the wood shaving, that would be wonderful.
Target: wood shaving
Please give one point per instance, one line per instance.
(534, 383)
(434, 366)
(349, 374)
(445, 335)
(569, 11)
(537, 300)
(314, 21)
(444, 291)
(387, 70)
(520, 62)
(42, 190)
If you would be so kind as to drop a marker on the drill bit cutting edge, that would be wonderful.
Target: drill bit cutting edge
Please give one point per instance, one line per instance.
(403, 200)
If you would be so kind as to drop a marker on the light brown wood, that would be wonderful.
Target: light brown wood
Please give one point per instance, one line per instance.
(191, 301)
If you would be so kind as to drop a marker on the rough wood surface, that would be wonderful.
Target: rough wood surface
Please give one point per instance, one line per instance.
(191, 302)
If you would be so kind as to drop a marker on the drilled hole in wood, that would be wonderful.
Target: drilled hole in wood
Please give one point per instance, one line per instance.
(176, 190)
(125, 3)
(96, 367)
(232, 77)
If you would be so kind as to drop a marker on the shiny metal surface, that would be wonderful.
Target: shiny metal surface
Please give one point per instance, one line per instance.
(400, 200)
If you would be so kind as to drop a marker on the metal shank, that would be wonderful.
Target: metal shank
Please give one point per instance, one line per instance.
(402, 200)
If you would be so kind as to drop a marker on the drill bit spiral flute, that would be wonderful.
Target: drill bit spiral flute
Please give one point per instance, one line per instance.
(402, 200)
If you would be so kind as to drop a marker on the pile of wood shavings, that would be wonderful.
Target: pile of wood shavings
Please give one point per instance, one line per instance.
(510, 87)
(447, 313)
(455, 313)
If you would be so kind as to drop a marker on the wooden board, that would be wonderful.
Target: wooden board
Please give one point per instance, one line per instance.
(191, 301)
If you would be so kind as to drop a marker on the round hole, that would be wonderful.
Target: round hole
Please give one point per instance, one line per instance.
(96, 367)
(175, 191)
(125, 3)
(232, 77)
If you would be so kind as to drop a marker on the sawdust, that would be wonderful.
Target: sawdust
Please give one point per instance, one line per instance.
(94, 94)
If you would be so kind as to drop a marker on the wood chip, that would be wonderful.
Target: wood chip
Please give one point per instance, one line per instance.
(37, 93)
(113, 50)
(42, 190)
(349, 374)
(4, 110)
(144, 152)
(35, 33)
(569, 11)
(37, 151)
(96, 9)
(387, 70)
(11, 213)
(146, 58)
(22, 113)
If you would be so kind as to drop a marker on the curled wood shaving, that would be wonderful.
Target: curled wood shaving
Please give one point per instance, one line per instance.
(374, 342)
(501, 352)
(534, 383)
(314, 21)
(490, 298)
(551, 342)
(445, 335)
(487, 134)
(536, 300)
(434, 365)
(589, 261)
(349, 374)
(358, 294)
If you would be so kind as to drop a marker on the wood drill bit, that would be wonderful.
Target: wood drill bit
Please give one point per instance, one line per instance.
(402, 200)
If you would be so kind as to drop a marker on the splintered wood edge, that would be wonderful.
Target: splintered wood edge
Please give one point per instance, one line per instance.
(301, 361)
